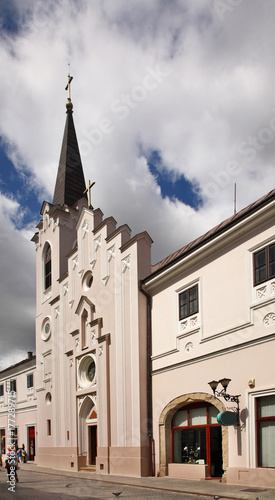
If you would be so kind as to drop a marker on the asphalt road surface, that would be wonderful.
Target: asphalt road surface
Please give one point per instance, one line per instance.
(41, 486)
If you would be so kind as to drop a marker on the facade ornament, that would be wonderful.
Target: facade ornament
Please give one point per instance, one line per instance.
(193, 321)
(80, 401)
(269, 319)
(105, 280)
(111, 253)
(261, 292)
(75, 262)
(80, 273)
(55, 224)
(125, 263)
(57, 311)
(48, 295)
(85, 228)
(184, 325)
(189, 346)
(64, 222)
(97, 242)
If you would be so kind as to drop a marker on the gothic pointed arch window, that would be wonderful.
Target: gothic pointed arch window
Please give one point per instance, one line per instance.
(47, 264)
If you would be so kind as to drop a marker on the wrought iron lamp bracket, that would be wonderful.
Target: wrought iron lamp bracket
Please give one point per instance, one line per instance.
(233, 399)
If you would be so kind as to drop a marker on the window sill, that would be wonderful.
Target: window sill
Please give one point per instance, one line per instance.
(47, 294)
(189, 325)
(263, 292)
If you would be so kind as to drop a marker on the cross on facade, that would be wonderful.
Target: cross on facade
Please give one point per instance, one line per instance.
(88, 190)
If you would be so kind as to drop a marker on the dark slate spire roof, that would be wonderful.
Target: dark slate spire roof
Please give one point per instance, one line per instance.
(70, 182)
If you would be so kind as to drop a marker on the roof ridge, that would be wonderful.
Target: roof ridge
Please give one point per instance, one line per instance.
(215, 230)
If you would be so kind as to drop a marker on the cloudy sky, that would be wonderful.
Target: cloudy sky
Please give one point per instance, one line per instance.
(174, 102)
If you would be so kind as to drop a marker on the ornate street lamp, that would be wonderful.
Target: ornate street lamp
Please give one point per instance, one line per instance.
(223, 394)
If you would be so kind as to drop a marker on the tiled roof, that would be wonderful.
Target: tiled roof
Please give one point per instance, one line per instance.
(70, 182)
(11, 367)
(213, 232)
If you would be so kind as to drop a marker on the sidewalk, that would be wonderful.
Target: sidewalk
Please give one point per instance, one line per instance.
(207, 488)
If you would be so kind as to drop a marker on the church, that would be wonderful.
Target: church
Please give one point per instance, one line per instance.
(141, 369)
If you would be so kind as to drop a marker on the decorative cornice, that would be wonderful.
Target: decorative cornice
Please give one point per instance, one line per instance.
(214, 354)
(104, 338)
(135, 239)
(105, 222)
(97, 321)
(75, 332)
(83, 299)
(53, 301)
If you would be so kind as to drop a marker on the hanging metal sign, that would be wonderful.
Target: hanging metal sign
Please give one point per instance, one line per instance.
(227, 418)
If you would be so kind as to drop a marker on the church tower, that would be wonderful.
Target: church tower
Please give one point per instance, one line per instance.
(91, 330)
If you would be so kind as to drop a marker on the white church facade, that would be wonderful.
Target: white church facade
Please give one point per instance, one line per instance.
(125, 350)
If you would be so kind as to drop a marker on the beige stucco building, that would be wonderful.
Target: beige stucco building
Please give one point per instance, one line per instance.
(213, 317)
(125, 351)
(18, 380)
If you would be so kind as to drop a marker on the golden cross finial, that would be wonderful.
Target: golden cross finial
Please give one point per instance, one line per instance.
(68, 86)
(69, 104)
(88, 190)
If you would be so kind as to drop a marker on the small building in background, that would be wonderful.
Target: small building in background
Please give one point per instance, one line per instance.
(18, 392)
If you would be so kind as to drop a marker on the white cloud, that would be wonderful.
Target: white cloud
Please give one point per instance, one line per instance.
(217, 93)
(17, 271)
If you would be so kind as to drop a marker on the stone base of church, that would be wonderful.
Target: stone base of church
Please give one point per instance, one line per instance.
(126, 461)
(58, 458)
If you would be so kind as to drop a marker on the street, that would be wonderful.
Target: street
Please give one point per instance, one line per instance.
(41, 486)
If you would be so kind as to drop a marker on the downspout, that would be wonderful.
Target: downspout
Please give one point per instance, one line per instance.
(149, 383)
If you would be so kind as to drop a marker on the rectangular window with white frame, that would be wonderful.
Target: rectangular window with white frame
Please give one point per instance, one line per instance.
(30, 381)
(188, 302)
(263, 273)
(188, 308)
(261, 428)
(265, 424)
(13, 385)
(264, 264)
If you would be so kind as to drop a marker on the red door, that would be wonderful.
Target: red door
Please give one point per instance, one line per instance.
(31, 443)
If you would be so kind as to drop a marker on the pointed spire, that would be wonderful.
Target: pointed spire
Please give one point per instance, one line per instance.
(70, 182)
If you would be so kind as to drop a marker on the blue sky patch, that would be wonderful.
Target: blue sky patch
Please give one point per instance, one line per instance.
(172, 184)
(18, 186)
(9, 17)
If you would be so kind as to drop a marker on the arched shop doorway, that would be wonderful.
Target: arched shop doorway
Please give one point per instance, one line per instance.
(197, 438)
(190, 433)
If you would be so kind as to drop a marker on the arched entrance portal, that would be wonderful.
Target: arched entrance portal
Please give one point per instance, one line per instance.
(88, 431)
(189, 432)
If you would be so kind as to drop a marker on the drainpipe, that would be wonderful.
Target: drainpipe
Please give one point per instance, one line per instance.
(149, 383)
